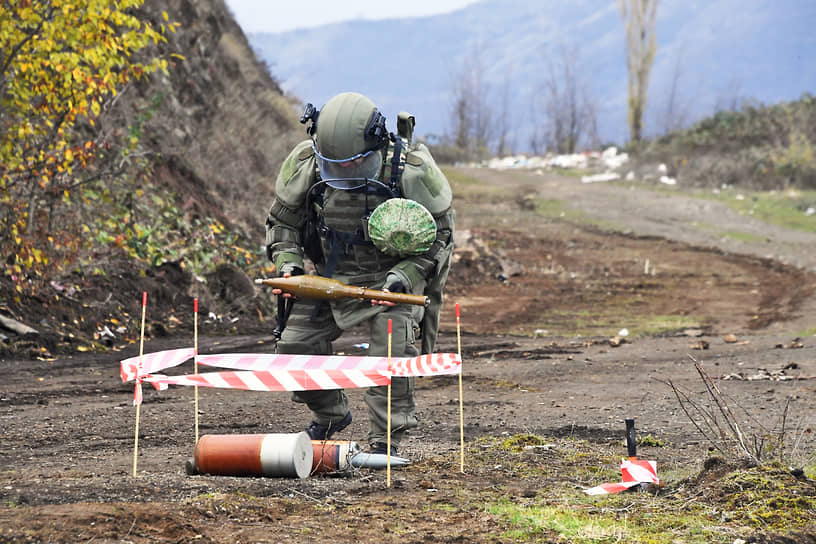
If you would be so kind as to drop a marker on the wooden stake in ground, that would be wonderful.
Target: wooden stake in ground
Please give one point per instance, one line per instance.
(461, 402)
(137, 395)
(388, 424)
(195, 362)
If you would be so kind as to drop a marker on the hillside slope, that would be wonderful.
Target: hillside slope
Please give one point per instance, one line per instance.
(219, 124)
(211, 134)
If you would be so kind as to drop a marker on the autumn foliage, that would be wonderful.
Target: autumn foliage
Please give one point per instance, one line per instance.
(63, 63)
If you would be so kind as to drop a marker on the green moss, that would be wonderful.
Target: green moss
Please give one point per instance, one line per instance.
(519, 441)
(651, 441)
(769, 498)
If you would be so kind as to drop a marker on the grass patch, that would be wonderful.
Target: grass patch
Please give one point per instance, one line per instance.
(783, 208)
(457, 178)
(470, 189)
(559, 210)
(576, 173)
(581, 524)
(653, 325)
(607, 320)
(808, 332)
(743, 236)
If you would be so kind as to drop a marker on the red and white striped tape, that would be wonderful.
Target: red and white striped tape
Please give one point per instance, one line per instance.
(640, 471)
(137, 394)
(272, 361)
(285, 372)
(633, 472)
(154, 362)
(423, 365)
(432, 364)
(278, 380)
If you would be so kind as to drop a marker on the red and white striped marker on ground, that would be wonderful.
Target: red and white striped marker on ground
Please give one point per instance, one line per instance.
(633, 472)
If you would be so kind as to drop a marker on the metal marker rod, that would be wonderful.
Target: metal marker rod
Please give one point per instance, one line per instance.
(631, 443)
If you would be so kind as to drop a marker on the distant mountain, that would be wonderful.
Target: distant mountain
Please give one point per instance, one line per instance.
(719, 52)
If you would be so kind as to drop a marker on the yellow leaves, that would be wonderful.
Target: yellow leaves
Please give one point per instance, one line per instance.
(82, 55)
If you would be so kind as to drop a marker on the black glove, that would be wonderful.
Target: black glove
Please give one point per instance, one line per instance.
(292, 270)
(394, 285)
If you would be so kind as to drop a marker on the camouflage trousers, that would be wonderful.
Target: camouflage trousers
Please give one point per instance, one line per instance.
(310, 331)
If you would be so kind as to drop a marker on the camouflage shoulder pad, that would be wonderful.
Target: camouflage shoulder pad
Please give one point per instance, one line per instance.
(424, 182)
(297, 174)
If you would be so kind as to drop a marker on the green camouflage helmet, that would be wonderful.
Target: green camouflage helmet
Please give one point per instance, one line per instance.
(349, 125)
(402, 227)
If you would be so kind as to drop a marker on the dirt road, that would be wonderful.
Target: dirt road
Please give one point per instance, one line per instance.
(544, 299)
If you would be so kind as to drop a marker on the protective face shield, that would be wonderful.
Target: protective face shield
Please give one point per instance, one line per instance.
(402, 227)
(351, 172)
(348, 139)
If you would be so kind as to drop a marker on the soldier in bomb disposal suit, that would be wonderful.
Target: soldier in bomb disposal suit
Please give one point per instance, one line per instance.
(370, 209)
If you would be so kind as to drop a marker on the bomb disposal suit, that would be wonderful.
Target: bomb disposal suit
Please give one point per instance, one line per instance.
(369, 209)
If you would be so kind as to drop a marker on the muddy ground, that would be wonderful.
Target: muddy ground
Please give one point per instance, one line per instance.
(548, 274)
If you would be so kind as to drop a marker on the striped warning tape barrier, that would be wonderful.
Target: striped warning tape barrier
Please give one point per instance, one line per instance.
(432, 364)
(277, 380)
(633, 472)
(273, 361)
(286, 372)
(154, 362)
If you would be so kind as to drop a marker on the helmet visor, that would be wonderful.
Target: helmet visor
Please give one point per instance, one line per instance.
(359, 167)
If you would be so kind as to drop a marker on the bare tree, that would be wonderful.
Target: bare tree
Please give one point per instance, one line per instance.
(460, 116)
(536, 141)
(472, 118)
(730, 98)
(504, 122)
(639, 18)
(570, 112)
(674, 115)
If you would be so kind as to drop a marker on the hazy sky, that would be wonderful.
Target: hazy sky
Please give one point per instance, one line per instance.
(282, 15)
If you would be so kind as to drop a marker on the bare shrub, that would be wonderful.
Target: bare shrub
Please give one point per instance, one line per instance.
(733, 431)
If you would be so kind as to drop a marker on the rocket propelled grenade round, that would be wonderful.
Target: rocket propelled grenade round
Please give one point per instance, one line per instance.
(318, 287)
